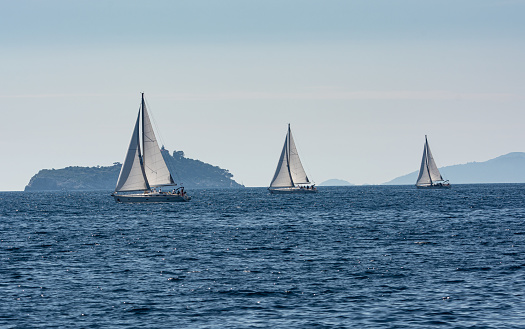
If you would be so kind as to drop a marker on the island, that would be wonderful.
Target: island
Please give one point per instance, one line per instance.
(187, 172)
(335, 182)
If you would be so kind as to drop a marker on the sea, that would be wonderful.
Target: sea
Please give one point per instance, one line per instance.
(346, 257)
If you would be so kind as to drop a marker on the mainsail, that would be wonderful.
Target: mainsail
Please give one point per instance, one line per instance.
(429, 172)
(142, 171)
(154, 165)
(289, 170)
(296, 167)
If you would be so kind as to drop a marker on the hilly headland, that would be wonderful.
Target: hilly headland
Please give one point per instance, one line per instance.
(507, 168)
(188, 172)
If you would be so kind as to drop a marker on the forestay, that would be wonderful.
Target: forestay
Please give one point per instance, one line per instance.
(289, 169)
(429, 172)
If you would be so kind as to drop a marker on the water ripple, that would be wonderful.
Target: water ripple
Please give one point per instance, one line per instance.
(360, 257)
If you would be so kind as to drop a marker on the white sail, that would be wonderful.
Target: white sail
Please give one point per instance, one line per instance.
(429, 172)
(424, 177)
(289, 170)
(435, 175)
(282, 177)
(296, 168)
(132, 176)
(155, 167)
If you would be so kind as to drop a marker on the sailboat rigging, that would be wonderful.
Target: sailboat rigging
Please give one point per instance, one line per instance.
(290, 176)
(429, 175)
(146, 171)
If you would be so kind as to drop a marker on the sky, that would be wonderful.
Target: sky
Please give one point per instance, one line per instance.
(360, 82)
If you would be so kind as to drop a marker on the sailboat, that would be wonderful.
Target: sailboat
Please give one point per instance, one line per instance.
(429, 176)
(146, 172)
(290, 176)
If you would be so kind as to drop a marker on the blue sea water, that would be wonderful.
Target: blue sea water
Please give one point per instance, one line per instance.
(347, 257)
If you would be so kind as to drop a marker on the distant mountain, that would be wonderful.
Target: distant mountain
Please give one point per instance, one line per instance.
(335, 182)
(192, 173)
(508, 168)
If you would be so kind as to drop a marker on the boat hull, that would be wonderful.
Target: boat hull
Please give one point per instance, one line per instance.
(150, 198)
(291, 190)
(432, 187)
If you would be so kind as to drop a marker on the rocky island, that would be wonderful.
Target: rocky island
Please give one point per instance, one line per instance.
(188, 172)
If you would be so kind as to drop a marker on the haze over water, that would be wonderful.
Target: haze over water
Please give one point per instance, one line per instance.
(361, 82)
(362, 257)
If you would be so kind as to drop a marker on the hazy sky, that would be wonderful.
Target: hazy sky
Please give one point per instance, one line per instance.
(361, 83)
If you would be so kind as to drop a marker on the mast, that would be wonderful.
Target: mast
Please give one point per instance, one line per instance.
(426, 160)
(143, 145)
(288, 155)
(141, 158)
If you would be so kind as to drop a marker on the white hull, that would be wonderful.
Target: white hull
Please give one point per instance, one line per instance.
(289, 190)
(150, 198)
(436, 186)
